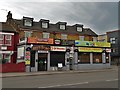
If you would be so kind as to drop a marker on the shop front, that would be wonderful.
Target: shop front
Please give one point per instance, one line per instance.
(39, 58)
(57, 57)
(93, 54)
(89, 58)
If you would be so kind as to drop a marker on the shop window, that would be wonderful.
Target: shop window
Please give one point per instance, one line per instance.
(8, 40)
(83, 58)
(97, 57)
(7, 57)
(57, 57)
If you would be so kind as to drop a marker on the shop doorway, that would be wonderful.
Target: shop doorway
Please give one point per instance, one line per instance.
(42, 61)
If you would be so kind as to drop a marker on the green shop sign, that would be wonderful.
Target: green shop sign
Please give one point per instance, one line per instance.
(91, 43)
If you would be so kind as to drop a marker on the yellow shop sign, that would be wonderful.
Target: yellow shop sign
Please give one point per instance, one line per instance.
(102, 44)
(84, 49)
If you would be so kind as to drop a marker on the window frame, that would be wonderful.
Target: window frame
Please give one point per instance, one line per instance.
(2, 39)
(64, 35)
(62, 26)
(112, 40)
(46, 34)
(44, 25)
(6, 39)
(27, 22)
(79, 29)
(81, 38)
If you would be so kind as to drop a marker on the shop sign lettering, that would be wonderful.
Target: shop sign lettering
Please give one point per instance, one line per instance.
(57, 48)
(41, 47)
(57, 41)
(39, 40)
(91, 43)
(84, 49)
(68, 42)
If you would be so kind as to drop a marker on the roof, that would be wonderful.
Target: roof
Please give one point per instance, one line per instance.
(113, 31)
(55, 28)
(6, 28)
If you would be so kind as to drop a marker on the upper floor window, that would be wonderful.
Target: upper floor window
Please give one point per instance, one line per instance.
(27, 34)
(112, 40)
(81, 38)
(27, 22)
(79, 29)
(63, 36)
(94, 39)
(7, 39)
(44, 25)
(46, 35)
(62, 27)
(1, 39)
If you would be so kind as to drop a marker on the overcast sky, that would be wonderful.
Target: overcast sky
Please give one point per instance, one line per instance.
(99, 16)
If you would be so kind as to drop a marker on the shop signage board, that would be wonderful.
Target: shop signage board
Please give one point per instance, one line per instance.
(102, 44)
(39, 40)
(85, 49)
(41, 47)
(27, 58)
(57, 41)
(91, 43)
(108, 50)
(57, 48)
(67, 42)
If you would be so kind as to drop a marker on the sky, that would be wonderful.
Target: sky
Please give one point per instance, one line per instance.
(99, 15)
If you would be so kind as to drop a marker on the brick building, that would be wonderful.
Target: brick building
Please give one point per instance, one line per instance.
(114, 39)
(45, 46)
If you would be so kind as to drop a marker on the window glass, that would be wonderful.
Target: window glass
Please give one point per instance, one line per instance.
(95, 39)
(79, 29)
(46, 35)
(7, 39)
(1, 37)
(7, 57)
(81, 38)
(1, 57)
(62, 27)
(1, 42)
(27, 34)
(28, 23)
(97, 58)
(112, 40)
(83, 58)
(44, 25)
(63, 36)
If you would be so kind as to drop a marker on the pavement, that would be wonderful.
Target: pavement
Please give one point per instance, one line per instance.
(20, 74)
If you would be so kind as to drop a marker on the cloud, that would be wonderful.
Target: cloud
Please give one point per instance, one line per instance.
(99, 16)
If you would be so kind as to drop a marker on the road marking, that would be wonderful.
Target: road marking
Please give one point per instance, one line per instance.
(111, 80)
(64, 85)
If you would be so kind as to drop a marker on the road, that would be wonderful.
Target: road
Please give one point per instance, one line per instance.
(104, 79)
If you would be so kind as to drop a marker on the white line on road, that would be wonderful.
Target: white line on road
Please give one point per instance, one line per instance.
(64, 85)
(111, 80)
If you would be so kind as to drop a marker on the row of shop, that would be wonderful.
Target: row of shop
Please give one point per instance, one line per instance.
(47, 57)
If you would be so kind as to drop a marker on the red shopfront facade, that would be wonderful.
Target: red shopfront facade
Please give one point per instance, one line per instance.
(8, 49)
